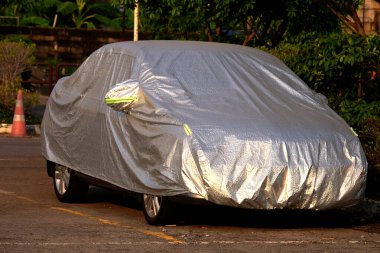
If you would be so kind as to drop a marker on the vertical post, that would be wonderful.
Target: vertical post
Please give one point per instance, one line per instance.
(122, 11)
(123, 21)
(55, 20)
(136, 22)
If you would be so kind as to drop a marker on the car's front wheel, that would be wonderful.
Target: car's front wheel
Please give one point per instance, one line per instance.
(157, 209)
(67, 187)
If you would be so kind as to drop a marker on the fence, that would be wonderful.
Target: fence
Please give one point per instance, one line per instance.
(9, 20)
(46, 74)
(68, 44)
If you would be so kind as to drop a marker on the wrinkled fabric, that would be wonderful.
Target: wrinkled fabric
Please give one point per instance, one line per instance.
(228, 123)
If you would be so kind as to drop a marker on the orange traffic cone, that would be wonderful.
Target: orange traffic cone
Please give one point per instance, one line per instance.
(19, 126)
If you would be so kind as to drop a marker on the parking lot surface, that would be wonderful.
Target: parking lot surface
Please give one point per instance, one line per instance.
(32, 219)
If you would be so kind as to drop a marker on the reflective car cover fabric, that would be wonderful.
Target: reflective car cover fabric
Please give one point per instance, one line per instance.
(229, 123)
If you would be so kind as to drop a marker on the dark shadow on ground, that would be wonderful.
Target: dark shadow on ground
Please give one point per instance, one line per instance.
(97, 195)
(227, 216)
(365, 217)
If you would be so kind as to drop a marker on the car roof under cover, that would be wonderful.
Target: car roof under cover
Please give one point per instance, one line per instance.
(204, 68)
(213, 82)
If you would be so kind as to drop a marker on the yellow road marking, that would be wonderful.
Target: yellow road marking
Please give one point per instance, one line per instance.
(27, 199)
(161, 235)
(117, 224)
(70, 211)
(6, 192)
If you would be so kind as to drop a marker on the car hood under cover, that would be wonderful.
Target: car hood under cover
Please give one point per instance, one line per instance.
(251, 134)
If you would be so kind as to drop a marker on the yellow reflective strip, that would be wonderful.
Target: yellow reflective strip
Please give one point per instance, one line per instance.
(353, 131)
(111, 101)
(187, 129)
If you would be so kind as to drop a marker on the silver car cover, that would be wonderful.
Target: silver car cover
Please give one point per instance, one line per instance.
(228, 123)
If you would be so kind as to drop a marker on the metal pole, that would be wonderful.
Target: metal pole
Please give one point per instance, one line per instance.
(136, 23)
(122, 11)
(55, 20)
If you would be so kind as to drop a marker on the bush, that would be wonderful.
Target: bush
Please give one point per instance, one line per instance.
(15, 57)
(356, 112)
(8, 102)
(335, 64)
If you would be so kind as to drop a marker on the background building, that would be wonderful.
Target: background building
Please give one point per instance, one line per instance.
(369, 14)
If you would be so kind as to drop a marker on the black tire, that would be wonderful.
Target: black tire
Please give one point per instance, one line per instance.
(67, 187)
(157, 209)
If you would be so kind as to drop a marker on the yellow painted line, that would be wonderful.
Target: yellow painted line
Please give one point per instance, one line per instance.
(162, 236)
(100, 220)
(17, 196)
(6, 192)
(27, 199)
(70, 211)
(108, 222)
(117, 224)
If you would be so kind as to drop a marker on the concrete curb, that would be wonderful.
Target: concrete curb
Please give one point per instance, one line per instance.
(31, 130)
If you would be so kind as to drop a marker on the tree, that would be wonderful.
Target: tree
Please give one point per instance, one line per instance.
(31, 12)
(75, 12)
(336, 64)
(344, 10)
(78, 11)
(347, 13)
(256, 22)
(166, 19)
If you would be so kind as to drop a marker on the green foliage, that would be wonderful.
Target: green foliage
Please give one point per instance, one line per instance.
(79, 13)
(170, 19)
(107, 16)
(6, 113)
(248, 22)
(335, 64)
(31, 12)
(17, 38)
(370, 138)
(356, 112)
(34, 21)
(8, 102)
(16, 55)
(71, 13)
(256, 22)
(66, 8)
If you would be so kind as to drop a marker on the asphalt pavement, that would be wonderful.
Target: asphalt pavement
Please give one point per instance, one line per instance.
(33, 220)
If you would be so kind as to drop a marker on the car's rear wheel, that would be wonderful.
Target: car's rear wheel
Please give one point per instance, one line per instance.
(157, 209)
(67, 187)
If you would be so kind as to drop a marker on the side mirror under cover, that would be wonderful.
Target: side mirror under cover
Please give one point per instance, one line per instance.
(123, 95)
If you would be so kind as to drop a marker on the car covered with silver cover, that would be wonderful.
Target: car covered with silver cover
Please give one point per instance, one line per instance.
(229, 124)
